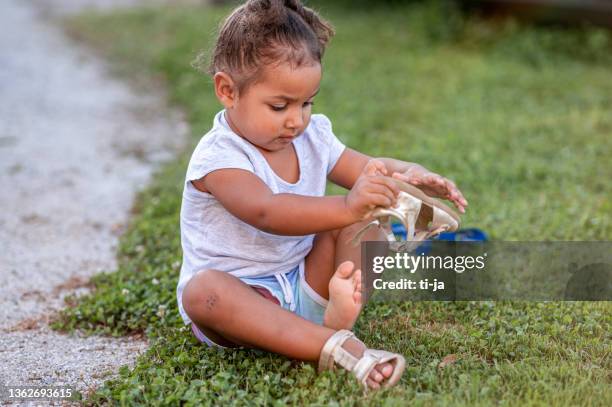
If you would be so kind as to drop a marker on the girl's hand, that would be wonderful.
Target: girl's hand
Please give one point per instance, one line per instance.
(371, 189)
(433, 185)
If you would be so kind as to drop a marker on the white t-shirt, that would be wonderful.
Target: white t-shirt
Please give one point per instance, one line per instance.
(213, 238)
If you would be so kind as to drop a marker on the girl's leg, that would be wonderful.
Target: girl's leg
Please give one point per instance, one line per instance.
(219, 302)
(333, 270)
(339, 284)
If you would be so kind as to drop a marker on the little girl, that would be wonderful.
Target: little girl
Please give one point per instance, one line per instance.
(266, 258)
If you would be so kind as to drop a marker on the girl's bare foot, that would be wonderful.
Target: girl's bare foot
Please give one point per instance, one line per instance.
(344, 297)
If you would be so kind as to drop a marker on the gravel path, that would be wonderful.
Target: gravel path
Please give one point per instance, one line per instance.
(75, 147)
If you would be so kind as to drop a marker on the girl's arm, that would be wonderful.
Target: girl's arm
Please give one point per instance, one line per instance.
(248, 198)
(351, 164)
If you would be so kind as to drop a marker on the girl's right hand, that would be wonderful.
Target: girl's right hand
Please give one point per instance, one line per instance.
(371, 189)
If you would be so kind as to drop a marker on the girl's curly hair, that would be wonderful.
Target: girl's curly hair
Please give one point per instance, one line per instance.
(265, 32)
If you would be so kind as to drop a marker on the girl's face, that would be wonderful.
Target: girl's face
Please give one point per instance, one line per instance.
(275, 110)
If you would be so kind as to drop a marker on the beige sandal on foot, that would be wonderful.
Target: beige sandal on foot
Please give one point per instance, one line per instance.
(408, 210)
(333, 352)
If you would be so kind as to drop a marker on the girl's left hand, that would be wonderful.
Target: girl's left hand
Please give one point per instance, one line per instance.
(433, 185)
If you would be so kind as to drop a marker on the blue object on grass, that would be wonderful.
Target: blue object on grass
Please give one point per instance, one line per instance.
(461, 235)
(464, 235)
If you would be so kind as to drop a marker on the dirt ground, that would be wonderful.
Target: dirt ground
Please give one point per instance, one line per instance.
(76, 145)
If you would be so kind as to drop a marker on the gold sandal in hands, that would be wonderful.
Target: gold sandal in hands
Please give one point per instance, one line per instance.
(410, 209)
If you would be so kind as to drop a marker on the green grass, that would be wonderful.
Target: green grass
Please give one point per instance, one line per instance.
(520, 117)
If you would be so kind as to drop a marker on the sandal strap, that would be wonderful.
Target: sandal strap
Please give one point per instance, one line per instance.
(410, 205)
(364, 366)
(442, 218)
(384, 224)
(357, 238)
(333, 352)
(373, 357)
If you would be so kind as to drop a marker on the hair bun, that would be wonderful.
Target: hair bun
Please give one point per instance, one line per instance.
(269, 12)
(260, 32)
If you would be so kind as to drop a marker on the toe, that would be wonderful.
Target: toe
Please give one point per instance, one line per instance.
(373, 384)
(356, 279)
(376, 376)
(357, 276)
(345, 269)
(357, 297)
(380, 373)
(385, 369)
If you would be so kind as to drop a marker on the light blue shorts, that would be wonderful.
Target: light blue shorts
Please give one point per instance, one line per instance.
(289, 290)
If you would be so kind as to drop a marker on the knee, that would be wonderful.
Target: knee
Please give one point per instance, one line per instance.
(202, 292)
(355, 227)
(348, 232)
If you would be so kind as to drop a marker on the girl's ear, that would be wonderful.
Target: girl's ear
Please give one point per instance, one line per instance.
(225, 89)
